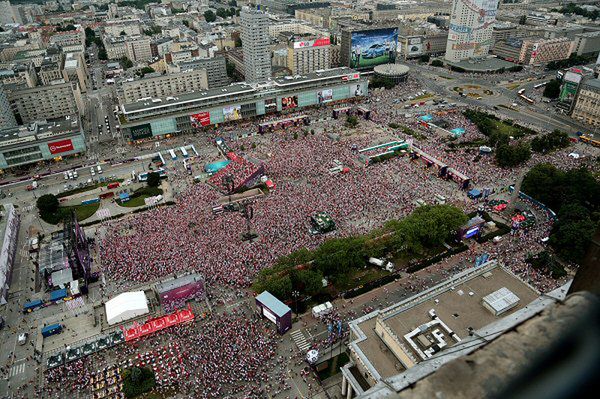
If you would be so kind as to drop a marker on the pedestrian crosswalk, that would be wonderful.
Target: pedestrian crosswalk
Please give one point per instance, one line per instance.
(17, 369)
(300, 340)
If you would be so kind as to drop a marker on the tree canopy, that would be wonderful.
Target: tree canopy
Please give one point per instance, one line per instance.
(552, 89)
(550, 141)
(153, 179)
(47, 204)
(210, 16)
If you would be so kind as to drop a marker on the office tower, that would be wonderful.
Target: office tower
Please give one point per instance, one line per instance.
(255, 44)
(470, 33)
(7, 118)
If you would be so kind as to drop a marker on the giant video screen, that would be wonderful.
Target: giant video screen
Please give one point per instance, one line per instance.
(373, 47)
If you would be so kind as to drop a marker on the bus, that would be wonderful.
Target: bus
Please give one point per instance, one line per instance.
(183, 152)
(173, 155)
(589, 140)
(52, 329)
(537, 86)
(144, 176)
(32, 305)
(526, 99)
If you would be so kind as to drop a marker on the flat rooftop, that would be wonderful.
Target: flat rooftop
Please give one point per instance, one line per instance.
(457, 303)
(237, 88)
(40, 130)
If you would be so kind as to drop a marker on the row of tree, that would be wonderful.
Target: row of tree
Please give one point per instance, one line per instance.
(426, 228)
(575, 196)
(550, 141)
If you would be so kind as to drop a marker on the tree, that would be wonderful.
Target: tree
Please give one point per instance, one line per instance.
(512, 155)
(550, 141)
(424, 58)
(351, 121)
(309, 281)
(137, 381)
(238, 42)
(552, 89)
(379, 81)
(232, 3)
(122, 33)
(437, 63)
(126, 62)
(47, 204)
(153, 179)
(102, 55)
(210, 16)
(142, 72)
(230, 67)
(339, 255)
(523, 20)
(89, 36)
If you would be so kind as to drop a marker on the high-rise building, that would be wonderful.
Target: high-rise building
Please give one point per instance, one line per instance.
(308, 54)
(255, 44)
(470, 31)
(7, 118)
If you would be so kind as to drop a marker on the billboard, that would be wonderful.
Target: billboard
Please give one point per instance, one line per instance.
(200, 119)
(369, 48)
(270, 105)
(141, 131)
(322, 41)
(289, 102)
(324, 96)
(56, 147)
(414, 46)
(568, 91)
(232, 113)
(357, 90)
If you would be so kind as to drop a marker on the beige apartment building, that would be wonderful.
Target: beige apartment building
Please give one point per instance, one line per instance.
(163, 86)
(306, 55)
(46, 102)
(542, 51)
(587, 104)
(138, 48)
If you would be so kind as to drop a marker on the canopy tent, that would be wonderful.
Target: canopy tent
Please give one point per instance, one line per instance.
(126, 306)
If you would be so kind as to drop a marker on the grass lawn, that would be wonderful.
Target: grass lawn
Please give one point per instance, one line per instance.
(86, 188)
(82, 211)
(513, 86)
(424, 96)
(360, 277)
(139, 195)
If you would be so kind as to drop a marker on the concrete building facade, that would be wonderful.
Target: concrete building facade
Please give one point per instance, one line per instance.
(7, 118)
(470, 30)
(46, 102)
(587, 103)
(308, 54)
(255, 45)
(172, 84)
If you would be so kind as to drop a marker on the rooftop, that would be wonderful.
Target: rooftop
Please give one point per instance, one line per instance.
(437, 318)
(274, 304)
(39, 130)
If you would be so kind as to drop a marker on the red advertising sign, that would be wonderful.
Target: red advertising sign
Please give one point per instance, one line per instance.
(57, 147)
(200, 119)
(322, 41)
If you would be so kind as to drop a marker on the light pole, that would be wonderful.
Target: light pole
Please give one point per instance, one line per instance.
(296, 295)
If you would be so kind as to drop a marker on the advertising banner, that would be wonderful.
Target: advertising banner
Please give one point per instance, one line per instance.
(270, 105)
(568, 91)
(322, 41)
(325, 96)
(373, 47)
(415, 48)
(141, 131)
(200, 119)
(56, 147)
(289, 102)
(232, 113)
(358, 90)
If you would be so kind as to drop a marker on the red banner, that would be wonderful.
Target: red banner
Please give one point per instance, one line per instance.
(154, 325)
(200, 119)
(57, 147)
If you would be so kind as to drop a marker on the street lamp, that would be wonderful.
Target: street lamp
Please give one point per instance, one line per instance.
(296, 295)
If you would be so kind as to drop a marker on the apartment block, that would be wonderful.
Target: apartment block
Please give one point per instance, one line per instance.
(587, 103)
(46, 102)
(308, 54)
(163, 86)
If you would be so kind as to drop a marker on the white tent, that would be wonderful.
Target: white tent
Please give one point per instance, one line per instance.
(126, 306)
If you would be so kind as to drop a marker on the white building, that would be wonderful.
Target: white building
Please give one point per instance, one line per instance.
(255, 44)
(470, 31)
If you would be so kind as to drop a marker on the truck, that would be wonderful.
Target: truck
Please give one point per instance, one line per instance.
(113, 185)
(32, 305)
(389, 266)
(51, 330)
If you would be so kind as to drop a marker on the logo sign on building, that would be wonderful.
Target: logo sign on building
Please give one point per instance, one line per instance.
(141, 131)
(269, 315)
(200, 119)
(324, 96)
(322, 41)
(57, 147)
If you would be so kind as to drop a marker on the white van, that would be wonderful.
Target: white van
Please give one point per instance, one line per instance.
(440, 199)
(389, 266)
(92, 171)
(99, 169)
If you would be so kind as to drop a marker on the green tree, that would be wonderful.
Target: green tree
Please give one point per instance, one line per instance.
(102, 55)
(512, 155)
(238, 42)
(232, 3)
(425, 58)
(126, 62)
(550, 141)
(309, 281)
(552, 89)
(122, 33)
(145, 70)
(378, 81)
(570, 238)
(137, 381)
(47, 204)
(523, 20)
(542, 182)
(210, 16)
(339, 255)
(351, 121)
(153, 179)
(437, 63)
